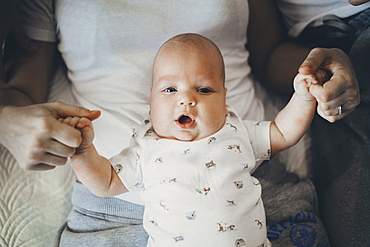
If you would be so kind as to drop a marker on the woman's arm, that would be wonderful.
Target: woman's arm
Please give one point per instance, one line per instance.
(276, 60)
(273, 58)
(10, 24)
(30, 131)
(28, 75)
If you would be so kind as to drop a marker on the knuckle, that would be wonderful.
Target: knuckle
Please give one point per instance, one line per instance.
(34, 158)
(80, 110)
(336, 50)
(44, 124)
(324, 106)
(330, 119)
(76, 140)
(317, 49)
(57, 103)
(324, 96)
(39, 111)
(327, 113)
(38, 144)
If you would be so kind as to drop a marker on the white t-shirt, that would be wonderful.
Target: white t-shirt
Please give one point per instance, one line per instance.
(109, 48)
(298, 14)
(200, 193)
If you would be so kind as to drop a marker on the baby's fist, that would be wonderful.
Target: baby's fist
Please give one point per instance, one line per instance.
(303, 83)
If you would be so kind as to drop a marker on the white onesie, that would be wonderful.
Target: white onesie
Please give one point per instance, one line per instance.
(200, 193)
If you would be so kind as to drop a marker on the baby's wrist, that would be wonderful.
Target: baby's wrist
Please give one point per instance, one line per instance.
(309, 98)
(83, 150)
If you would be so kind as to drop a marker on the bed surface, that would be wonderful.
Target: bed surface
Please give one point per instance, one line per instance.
(32, 204)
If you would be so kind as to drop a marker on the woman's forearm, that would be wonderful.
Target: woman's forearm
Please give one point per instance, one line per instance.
(28, 75)
(273, 58)
(282, 66)
(13, 96)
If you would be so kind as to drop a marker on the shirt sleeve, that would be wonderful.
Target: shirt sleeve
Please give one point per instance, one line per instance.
(127, 165)
(38, 19)
(259, 134)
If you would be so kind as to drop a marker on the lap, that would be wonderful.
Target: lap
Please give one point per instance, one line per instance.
(343, 176)
(86, 230)
(97, 221)
(291, 208)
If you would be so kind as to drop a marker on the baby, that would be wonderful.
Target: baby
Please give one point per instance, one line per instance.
(192, 161)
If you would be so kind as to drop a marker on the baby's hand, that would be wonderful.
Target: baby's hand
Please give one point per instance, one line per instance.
(303, 83)
(86, 128)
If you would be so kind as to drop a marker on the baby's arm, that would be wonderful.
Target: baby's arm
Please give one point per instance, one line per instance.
(292, 122)
(93, 170)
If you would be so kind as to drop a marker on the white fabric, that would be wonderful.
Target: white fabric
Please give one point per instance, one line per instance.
(32, 204)
(200, 193)
(300, 14)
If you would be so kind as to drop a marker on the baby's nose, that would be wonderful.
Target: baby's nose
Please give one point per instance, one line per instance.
(187, 99)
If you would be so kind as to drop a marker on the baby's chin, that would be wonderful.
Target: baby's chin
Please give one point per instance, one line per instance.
(190, 138)
(184, 136)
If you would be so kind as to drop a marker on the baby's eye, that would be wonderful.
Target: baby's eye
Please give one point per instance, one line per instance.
(170, 90)
(204, 90)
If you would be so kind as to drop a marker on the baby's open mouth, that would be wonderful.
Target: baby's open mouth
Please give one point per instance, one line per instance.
(185, 121)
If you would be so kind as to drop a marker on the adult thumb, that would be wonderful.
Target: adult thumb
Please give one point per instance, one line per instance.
(65, 110)
(313, 61)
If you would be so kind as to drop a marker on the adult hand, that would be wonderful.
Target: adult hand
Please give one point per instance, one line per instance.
(36, 138)
(86, 128)
(338, 96)
(10, 23)
(357, 2)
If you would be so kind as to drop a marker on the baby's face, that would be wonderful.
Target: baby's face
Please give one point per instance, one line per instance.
(188, 94)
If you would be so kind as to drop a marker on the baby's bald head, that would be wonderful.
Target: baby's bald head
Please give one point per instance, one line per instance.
(188, 44)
